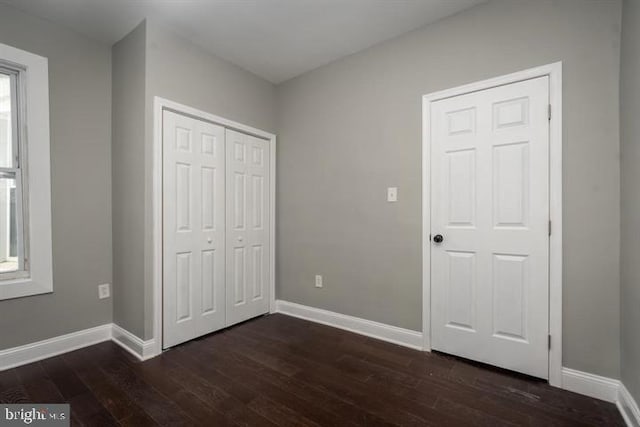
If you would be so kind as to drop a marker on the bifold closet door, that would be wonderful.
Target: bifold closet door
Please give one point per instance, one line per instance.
(248, 246)
(193, 228)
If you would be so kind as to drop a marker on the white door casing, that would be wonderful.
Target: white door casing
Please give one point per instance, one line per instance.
(490, 201)
(193, 228)
(248, 211)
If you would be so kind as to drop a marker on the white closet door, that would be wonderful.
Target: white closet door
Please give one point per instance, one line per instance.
(490, 219)
(193, 228)
(248, 253)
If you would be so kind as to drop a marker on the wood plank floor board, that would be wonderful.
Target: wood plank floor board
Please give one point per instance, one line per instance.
(31, 372)
(159, 407)
(235, 406)
(89, 411)
(44, 390)
(342, 412)
(252, 373)
(275, 384)
(64, 377)
(514, 399)
(9, 379)
(199, 411)
(282, 371)
(15, 394)
(138, 419)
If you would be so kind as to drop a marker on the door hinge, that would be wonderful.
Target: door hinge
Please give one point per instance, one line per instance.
(549, 112)
(549, 342)
(549, 227)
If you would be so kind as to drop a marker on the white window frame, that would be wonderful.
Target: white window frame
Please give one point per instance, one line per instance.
(15, 73)
(33, 134)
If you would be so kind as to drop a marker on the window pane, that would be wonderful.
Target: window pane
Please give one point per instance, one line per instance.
(8, 224)
(6, 117)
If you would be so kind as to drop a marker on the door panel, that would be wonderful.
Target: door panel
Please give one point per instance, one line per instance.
(490, 201)
(461, 284)
(183, 286)
(460, 176)
(247, 232)
(510, 277)
(193, 228)
(208, 281)
(511, 185)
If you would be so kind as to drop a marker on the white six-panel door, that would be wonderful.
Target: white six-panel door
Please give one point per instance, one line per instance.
(490, 204)
(193, 228)
(248, 253)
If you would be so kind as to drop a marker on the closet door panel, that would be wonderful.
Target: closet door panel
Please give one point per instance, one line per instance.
(193, 228)
(248, 244)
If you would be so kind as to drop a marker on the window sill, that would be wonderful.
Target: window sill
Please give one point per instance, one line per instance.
(18, 288)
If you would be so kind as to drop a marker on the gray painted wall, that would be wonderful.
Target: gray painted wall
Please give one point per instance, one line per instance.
(350, 129)
(153, 61)
(183, 72)
(128, 112)
(630, 144)
(80, 122)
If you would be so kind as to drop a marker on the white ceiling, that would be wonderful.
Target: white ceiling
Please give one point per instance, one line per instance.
(275, 39)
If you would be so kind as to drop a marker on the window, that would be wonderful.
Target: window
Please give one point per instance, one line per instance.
(25, 189)
(13, 254)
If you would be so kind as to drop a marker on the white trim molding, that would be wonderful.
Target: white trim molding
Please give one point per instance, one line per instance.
(603, 388)
(628, 407)
(554, 72)
(160, 104)
(381, 331)
(591, 385)
(141, 349)
(29, 353)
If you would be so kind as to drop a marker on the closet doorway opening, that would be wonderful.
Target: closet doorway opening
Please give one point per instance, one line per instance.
(214, 223)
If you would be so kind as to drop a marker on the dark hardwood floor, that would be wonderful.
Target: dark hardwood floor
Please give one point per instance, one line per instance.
(281, 371)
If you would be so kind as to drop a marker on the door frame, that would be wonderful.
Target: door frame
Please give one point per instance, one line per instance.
(554, 72)
(159, 105)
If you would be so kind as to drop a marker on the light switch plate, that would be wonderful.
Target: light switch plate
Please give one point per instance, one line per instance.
(318, 281)
(392, 194)
(104, 291)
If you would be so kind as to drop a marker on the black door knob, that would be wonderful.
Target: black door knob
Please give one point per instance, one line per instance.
(438, 238)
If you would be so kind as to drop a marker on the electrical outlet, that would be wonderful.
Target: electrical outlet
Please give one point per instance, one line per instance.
(392, 194)
(104, 291)
(318, 281)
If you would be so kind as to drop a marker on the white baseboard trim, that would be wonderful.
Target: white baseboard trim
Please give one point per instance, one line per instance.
(143, 350)
(381, 331)
(29, 353)
(591, 385)
(605, 389)
(628, 407)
